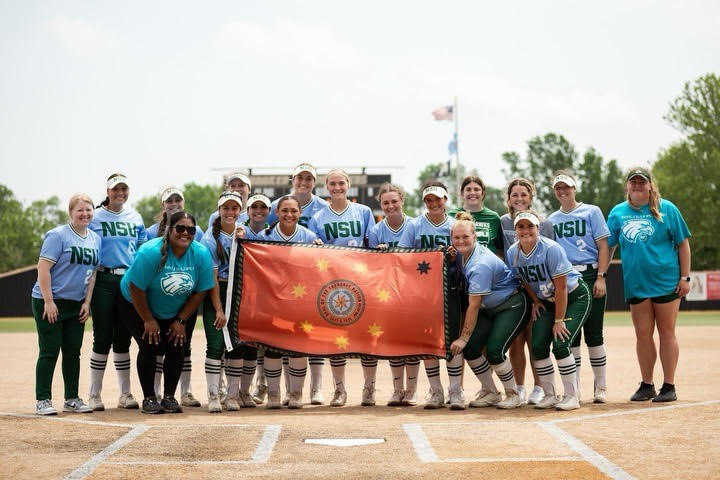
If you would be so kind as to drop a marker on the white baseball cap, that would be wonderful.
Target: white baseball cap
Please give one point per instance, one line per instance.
(169, 192)
(305, 167)
(242, 176)
(259, 197)
(435, 190)
(526, 215)
(227, 196)
(117, 179)
(566, 179)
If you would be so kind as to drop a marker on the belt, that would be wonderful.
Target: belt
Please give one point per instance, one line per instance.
(113, 271)
(582, 268)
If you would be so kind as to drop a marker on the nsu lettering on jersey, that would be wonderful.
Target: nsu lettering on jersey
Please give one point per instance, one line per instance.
(573, 228)
(84, 256)
(534, 273)
(118, 229)
(343, 229)
(432, 241)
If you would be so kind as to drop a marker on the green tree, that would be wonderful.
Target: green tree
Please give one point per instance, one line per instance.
(200, 201)
(599, 183)
(696, 113)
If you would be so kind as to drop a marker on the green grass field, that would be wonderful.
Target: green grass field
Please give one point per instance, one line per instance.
(27, 324)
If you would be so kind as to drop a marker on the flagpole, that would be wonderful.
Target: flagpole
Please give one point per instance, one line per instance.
(457, 142)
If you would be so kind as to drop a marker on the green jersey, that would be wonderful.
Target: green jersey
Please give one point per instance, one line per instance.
(487, 227)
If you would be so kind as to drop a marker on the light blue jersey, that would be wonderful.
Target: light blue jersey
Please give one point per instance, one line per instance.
(421, 232)
(74, 260)
(313, 206)
(546, 261)
(577, 232)
(383, 233)
(508, 232)
(168, 289)
(648, 248)
(226, 241)
(242, 218)
(488, 276)
(301, 235)
(122, 233)
(348, 228)
(152, 232)
(251, 234)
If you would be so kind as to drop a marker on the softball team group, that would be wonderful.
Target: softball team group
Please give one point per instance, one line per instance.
(513, 281)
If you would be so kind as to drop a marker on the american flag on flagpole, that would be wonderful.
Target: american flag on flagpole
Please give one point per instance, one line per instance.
(443, 113)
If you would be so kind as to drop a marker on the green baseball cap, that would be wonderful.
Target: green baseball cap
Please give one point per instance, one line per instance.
(639, 172)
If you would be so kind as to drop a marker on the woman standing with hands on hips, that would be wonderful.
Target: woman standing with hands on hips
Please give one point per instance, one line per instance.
(163, 287)
(61, 303)
(655, 249)
(561, 302)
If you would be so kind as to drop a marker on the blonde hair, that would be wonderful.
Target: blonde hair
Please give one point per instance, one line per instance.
(337, 171)
(654, 201)
(464, 219)
(523, 182)
(388, 187)
(77, 198)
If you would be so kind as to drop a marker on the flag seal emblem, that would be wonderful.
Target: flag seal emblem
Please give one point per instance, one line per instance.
(341, 302)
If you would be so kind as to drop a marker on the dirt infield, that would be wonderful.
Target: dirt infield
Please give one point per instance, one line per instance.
(616, 440)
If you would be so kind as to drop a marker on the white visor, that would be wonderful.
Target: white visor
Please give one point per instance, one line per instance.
(169, 192)
(116, 179)
(435, 190)
(569, 181)
(529, 216)
(305, 167)
(227, 196)
(240, 176)
(259, 198)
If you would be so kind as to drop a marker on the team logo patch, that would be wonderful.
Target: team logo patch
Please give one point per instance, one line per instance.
(177, 283)
(637, 230)
(341, 302)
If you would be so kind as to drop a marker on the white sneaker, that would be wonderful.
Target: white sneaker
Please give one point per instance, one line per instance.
(96, 403)
(485, 399)
(232, 404)
(295, 400)
(259, 393)
(76, 405)
(568, 402)
(549, 401)
(536, 396)
(316, 398)
(247, 400)
(522, 394)
(273, 401)
(600, 395)
(368, 397)
(339, 399)
(214, 405)
(188, 400)
(512, 400)
(45, 407)
(127, 401)
(436, 399)
(456, 399)
(409, 398)
(286, 399)
(395, 399)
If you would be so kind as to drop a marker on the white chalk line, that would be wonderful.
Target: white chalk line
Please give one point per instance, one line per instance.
(67, 419)
(423, 449)
(88, 467)
(634, 411)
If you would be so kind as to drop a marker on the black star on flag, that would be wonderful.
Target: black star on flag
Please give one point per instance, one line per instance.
(423, 267)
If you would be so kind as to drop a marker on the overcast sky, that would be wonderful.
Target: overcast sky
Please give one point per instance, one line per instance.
(168, 92)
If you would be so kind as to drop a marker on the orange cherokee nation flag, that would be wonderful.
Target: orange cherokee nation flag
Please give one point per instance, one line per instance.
(339, 301)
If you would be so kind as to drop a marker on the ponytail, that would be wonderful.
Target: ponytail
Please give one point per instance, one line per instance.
(163, 224)
(216, 229)
(271, 227)
(104, 203)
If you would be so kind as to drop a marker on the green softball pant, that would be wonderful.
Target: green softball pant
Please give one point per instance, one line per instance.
(497, 327)
(65, 335)
(215, 338)
(577, 311)
(593, 327)
(109, 329)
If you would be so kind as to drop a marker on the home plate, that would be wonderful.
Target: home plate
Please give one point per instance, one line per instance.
(344, 442)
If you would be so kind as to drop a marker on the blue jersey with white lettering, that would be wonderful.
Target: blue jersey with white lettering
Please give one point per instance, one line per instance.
(545, 262)
(648, 248)
(226, 241)
(152, 232)
(487, 275)
(348, 228)
(74, 260)
(381, 232)
(121, 232)
(242, 218)
(301, 235)
(421, 232)
(577, 232)
(307, 211)
(168, 289)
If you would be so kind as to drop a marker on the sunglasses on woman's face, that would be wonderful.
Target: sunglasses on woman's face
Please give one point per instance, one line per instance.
(183, 229)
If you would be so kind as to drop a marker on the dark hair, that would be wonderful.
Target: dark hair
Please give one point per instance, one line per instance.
(473, 179)
(175, 218)
(277, 207)
(106, 202)
(216, 228)
(162, 224)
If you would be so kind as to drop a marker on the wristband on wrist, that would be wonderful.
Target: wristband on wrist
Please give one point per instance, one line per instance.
(179, 320)
(687, 279)
(602, 274)
(561, 320)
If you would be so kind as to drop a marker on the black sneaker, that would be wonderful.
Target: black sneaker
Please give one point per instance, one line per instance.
(170, 405)
(152, 406)
(666, 394)
(645, 392)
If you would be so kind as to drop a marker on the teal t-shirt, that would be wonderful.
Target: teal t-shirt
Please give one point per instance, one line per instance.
(648, 247)
(168, 289)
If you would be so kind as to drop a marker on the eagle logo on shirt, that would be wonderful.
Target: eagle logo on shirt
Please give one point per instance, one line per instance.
(176, 283)
(637, 230)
